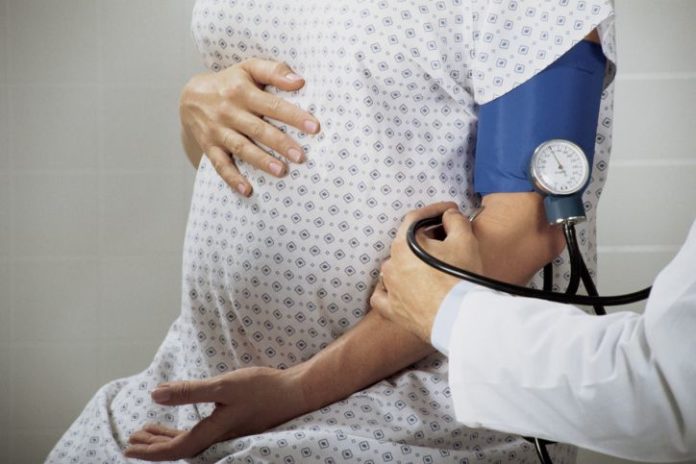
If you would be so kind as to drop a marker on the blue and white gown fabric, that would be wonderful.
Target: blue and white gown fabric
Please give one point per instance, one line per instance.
(272, 279)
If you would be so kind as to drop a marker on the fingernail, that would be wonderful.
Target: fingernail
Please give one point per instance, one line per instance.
(243, 188)
(293, 77)
(295, 155)
(311, 126)
(276, 168)
(161, 394)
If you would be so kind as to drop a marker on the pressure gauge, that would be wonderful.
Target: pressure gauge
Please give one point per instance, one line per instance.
(559, 167)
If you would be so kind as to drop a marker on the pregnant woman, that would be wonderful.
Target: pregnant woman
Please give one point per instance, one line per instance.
(281, 357)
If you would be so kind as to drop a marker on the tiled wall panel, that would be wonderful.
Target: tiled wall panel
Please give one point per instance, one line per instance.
(647, 205)
(655, 119)
(656, 36)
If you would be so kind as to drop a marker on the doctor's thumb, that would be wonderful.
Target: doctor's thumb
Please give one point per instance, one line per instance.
(455, 223)
(184, 392)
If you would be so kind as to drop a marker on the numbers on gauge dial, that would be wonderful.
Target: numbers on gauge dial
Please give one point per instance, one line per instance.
(559, 167)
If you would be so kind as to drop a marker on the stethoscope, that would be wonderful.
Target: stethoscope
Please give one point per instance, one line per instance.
(560, 172)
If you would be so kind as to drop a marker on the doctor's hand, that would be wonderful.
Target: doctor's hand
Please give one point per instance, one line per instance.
(412, 291)
(247, 401)
(222, 115)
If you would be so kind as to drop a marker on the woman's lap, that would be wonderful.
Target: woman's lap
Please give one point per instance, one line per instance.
(362, 427)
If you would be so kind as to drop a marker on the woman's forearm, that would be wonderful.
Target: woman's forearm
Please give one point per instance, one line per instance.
(515, 242)
(368, 353)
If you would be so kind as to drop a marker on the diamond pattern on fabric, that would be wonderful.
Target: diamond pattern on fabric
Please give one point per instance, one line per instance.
(273, 279)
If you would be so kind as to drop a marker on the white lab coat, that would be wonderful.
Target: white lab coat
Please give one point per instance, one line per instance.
(622, 384)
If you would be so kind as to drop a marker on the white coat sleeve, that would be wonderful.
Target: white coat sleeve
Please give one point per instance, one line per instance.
(622, 384)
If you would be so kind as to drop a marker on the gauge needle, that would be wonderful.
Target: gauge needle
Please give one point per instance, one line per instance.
(560, 166)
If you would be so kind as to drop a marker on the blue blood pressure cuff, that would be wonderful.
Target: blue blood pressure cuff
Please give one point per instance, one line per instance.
(561, 102)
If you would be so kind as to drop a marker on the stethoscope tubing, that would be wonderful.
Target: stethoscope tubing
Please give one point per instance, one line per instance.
(585, 300)
(579, 272)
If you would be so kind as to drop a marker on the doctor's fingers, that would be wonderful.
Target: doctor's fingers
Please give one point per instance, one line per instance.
(427, 211)
(379, 301)
(393, 269)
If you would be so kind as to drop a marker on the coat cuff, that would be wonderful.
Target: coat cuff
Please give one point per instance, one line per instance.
(447, 315)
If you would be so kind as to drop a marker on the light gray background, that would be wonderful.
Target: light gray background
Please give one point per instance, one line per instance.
(94, 189)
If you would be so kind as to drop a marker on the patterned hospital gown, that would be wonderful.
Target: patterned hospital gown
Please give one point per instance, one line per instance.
(272, 279)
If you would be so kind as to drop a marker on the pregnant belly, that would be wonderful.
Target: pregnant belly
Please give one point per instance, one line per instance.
(281, 274)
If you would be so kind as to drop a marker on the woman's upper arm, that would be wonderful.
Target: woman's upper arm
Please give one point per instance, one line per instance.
(515, 237)
(593, 37)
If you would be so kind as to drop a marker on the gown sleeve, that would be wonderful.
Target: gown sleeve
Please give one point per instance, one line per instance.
(515, 40)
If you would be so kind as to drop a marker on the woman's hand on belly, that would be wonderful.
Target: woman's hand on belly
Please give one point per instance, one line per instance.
(247, 401)
(222, 116)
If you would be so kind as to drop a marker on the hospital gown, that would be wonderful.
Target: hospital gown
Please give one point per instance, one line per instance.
(272, 279)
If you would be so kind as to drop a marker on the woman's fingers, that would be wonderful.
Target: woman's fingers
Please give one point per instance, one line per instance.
(159, 429)
(160, 451)
(262, 132)
(241, 147)
(227, 169)
(208, 431)
(225, 113)
(279, 75)
(276, 107)
(188, 392)
(273, 73)
(185, 445)
(141, 437)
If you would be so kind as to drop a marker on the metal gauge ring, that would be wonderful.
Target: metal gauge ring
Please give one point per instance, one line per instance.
(559, 167)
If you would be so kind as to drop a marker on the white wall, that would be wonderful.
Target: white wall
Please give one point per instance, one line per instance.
(94, 189)
(94, 192)
(650, 198)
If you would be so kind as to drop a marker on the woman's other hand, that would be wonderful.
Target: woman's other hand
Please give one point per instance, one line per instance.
(222, 113)
(247, 401)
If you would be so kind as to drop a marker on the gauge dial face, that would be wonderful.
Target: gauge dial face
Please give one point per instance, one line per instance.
(559, 167)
